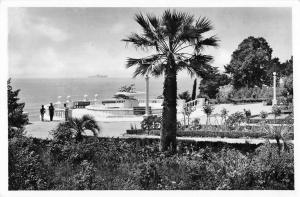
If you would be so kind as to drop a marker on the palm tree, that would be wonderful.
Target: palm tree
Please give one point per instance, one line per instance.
(176, 42)
(185, 96)
(78, 126)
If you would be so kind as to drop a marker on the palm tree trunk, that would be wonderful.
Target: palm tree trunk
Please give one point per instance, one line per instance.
(169, 119)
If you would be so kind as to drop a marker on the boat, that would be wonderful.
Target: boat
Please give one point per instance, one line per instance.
(98, 76)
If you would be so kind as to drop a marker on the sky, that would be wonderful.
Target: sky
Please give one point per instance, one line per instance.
(79, 42)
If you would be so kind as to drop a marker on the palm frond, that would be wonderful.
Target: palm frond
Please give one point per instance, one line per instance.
(203, 25)
(198, 65)
(140, 41)
(210, 41)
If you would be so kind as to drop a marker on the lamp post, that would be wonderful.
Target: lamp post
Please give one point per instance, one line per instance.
(274, 89)
(147, 95)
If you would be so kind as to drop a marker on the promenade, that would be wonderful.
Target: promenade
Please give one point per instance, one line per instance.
(41, 130)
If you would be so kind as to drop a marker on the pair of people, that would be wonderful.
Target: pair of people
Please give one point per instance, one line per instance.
(51, 112)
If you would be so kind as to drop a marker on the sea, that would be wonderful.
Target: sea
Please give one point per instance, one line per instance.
(40, 91)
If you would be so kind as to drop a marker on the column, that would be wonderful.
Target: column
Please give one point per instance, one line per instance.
(147, 95)
(274, 89)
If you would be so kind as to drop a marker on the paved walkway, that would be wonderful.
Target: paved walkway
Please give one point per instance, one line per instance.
(41, 130)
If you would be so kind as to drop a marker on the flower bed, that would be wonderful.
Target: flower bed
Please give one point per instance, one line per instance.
(221, 134)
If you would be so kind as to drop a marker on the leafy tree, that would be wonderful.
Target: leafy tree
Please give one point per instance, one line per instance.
(16, 117)
(209, 85)
(286, 68)
(249, 63)
(224, 114)
(276, 111)
(208, 109)
(288, 84)
(282, 70)
(194, 90)
(185, 96)
(177, 42)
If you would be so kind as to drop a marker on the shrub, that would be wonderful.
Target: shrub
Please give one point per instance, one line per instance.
(234, 120)
(208, 109)
(151, 122)
(263, 115)
(85, 179)
(276, 110)
(27, 171)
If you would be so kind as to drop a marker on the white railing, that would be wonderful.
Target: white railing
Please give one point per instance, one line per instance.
(195, 103)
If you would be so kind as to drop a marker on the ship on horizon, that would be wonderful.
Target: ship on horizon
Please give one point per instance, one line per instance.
(98, 76)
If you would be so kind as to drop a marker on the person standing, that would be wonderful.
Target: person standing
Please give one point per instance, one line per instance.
(66, 112)
(42, 111)
(51, 111)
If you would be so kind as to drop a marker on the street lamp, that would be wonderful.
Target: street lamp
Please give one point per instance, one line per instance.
(274, 86)
(147, 95)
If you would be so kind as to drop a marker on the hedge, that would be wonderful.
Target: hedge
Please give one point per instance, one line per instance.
(221, 134)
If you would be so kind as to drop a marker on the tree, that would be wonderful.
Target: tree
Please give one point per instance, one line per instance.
(286, 68)
(75, 127)
(176, 41)
(194, 93)
(249, 63)
(16, 117)
(208, 109)
(288, 84)
(185, 96)
(209, 85)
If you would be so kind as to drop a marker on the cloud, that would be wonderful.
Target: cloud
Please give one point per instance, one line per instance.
(118, 28)
(221, 58)
(21, 24)
(45, 62)
(51, 32)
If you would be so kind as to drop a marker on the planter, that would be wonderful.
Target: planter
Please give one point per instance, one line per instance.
(135, 131)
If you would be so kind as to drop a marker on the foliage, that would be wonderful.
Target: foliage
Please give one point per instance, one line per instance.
(288, 84)
(195, 124)
(211, 83)
(75, 128)
(255, 93)
(16, 117)
(151, 122)
(249, 63)
(234, 121)
(276, 110)
(263, 115)
(281, 132)
(224, 113)
(136, 164)
(224, 93)
(208, 109)
(26, 170)
(127, 88)
(168, 38)
(185, 96)
(247, 114)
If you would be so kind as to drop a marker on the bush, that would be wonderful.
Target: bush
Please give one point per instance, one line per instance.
(234, 120)
(27, 171)
(137, 164)
(151, 122)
